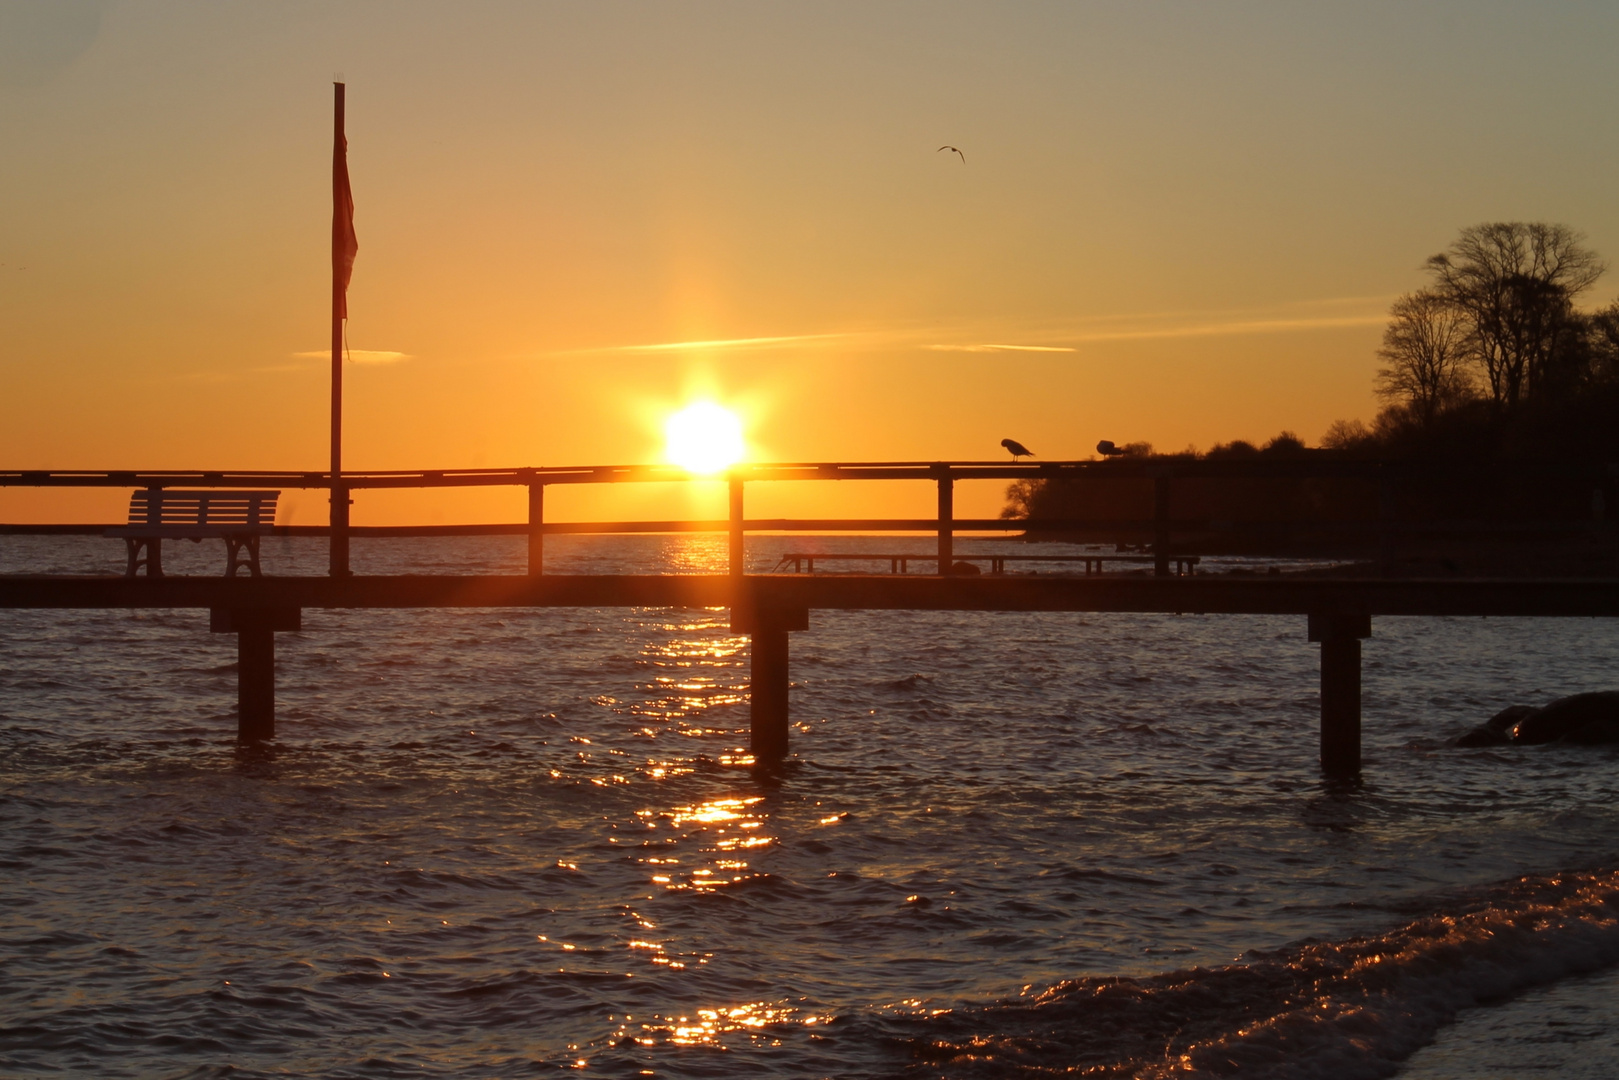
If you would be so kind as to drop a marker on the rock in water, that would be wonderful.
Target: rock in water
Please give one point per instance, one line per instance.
(1566, 716)
(1596, 733)
(1498, 728)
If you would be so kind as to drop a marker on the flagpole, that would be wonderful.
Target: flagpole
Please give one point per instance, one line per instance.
(340, 494)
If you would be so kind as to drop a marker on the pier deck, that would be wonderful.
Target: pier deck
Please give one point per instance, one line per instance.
(915, 592)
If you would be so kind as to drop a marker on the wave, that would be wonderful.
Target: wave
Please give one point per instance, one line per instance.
(1346, 1010)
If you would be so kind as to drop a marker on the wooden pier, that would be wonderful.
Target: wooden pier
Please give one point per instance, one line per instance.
(1337, 613)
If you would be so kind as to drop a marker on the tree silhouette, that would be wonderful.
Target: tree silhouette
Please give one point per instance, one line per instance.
(1514, 283)
(1425, 352)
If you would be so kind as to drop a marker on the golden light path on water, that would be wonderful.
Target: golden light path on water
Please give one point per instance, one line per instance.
(692, 671)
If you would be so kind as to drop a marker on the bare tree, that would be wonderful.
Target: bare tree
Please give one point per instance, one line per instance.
(1603, 335)
(1515, 282)
(1425, 352)
(1346, 435)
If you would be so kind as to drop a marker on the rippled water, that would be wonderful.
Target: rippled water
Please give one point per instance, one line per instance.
(501, 843)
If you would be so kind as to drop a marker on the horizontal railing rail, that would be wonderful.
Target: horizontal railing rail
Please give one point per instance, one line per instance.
(1306, 466)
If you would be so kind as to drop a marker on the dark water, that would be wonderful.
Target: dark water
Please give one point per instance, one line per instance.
(508, 843)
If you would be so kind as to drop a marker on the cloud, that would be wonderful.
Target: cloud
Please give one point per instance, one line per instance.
(1234, 326)
(1000, 348)
(782, 341)
(1333, 313)
(1065, 336)
(359, 356)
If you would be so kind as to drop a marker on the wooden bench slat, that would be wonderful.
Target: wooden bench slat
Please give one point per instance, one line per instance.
(205, 513)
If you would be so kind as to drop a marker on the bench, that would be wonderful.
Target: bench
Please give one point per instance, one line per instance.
(899, 564)
(157, 514)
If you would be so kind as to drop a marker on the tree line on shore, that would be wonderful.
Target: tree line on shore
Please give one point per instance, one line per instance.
(1491, 362)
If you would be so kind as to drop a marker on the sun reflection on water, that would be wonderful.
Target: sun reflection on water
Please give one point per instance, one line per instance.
(706, 1027)
(730, 826)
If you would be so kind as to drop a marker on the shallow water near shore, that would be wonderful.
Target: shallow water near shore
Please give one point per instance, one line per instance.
(497, 843)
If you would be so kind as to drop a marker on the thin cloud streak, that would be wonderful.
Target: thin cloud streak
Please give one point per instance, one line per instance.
(716, 343)
(1246, 326)
(1000, 348)
(1178, 324)
(1190, 325)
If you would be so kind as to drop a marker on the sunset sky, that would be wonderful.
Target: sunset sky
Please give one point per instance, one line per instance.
(1176, 222)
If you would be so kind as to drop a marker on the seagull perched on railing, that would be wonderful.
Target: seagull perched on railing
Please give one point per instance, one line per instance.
(1016, 449)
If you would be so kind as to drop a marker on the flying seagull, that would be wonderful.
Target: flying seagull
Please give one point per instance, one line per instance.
(1016, 449)
(953, 150)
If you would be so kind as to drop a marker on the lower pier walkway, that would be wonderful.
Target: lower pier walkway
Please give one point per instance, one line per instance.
(1338, 614)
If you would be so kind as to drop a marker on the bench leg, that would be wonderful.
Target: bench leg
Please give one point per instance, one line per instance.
(233, 555)
(154, 555)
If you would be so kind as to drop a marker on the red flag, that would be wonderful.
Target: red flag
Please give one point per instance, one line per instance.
(344, 243)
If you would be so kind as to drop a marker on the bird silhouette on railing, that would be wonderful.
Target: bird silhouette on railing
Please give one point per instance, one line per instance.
(1016, 449)
(1107, 449)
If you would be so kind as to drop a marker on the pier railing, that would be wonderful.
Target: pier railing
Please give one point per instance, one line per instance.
(1161, 527)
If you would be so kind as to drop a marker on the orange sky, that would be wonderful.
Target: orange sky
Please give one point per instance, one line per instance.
(1197, 215)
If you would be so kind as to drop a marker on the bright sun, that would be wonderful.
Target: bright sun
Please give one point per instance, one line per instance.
(704, 438)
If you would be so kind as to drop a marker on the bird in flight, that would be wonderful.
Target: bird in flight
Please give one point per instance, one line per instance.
(1016, 449)
(953, 150)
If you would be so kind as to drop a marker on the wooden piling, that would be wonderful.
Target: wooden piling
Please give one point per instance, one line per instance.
(1340, 637)
(1160, 517)
(339, 559)
(536, 535)
(1388, 509)
(255, 685)
(737, 544)
(255, 630)
(768, 697)
(770, 674)
(947, 513)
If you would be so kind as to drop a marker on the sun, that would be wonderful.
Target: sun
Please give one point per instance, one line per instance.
(704, 438)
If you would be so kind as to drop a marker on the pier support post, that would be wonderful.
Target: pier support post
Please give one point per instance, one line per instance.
(536, 536)
(1340, 637)
(255, 630)
(947, 513)
(339, 561)
(1160, 520)
(767, 697)
(770, 678)
(255, 685)
(738, 548)
(1388, 509)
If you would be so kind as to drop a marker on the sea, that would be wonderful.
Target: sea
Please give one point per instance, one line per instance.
(512, 843)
